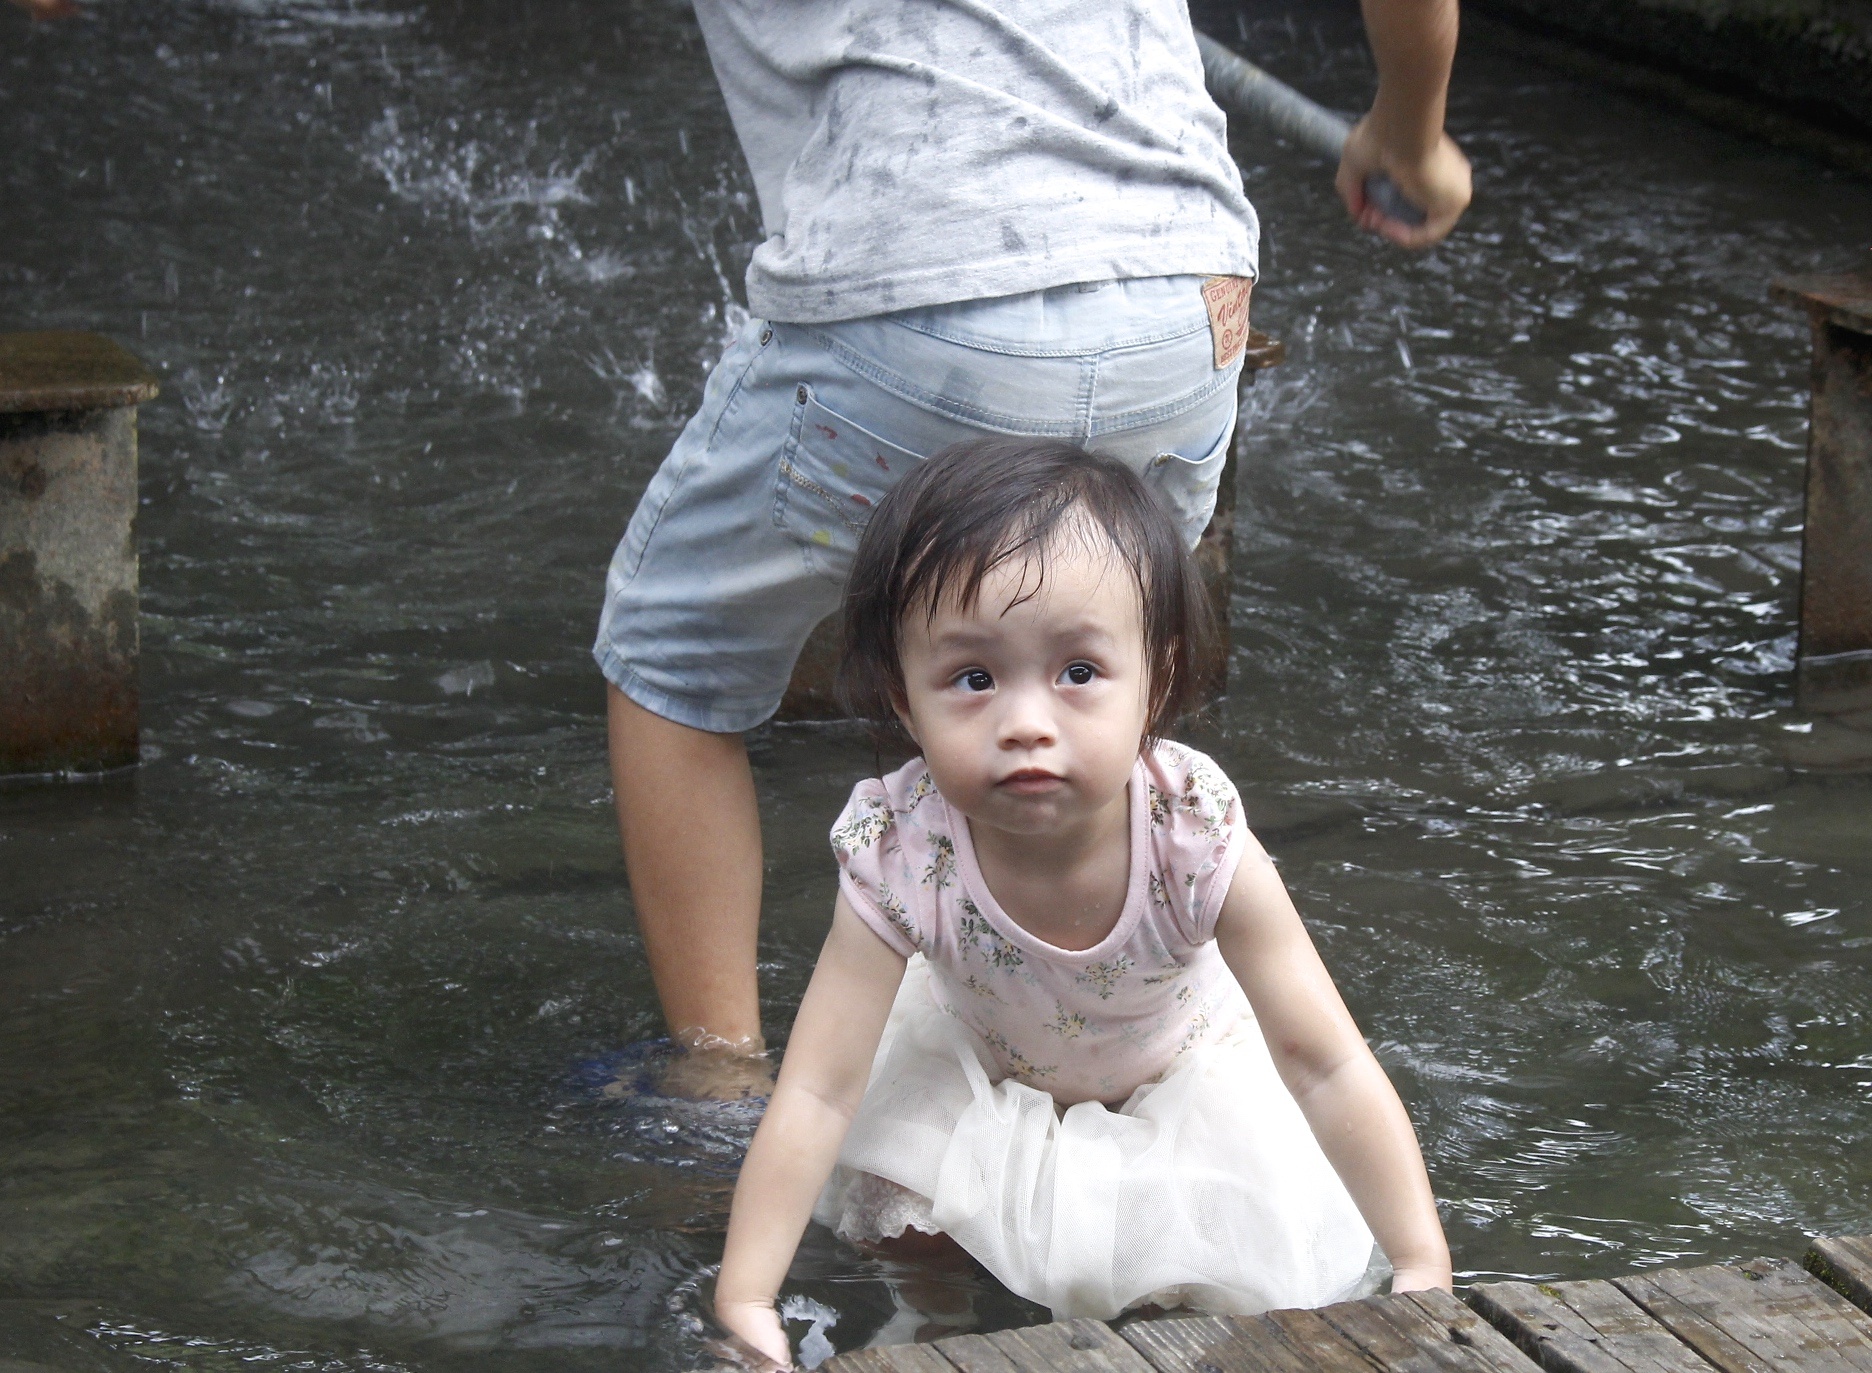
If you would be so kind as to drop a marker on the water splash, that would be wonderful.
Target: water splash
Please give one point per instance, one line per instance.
(450, 171)
(206, 1354)
(462, 681)
(814, 1346)
(291, 16)
(209, 402)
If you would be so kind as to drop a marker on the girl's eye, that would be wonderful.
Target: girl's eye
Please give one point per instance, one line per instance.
(975, 680)
(1079, 674)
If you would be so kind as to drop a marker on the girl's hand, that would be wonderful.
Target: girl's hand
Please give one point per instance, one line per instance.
(1421, 1279)
(1351, 1106)
(756, 1335)
(822, 1081)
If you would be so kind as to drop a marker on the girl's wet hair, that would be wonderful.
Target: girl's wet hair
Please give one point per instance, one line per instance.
(977, 505)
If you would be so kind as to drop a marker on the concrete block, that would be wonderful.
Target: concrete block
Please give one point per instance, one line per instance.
(1834, 665)
(68, 558)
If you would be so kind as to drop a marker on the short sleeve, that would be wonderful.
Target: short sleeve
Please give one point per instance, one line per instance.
(1199, 837)
(875, 872)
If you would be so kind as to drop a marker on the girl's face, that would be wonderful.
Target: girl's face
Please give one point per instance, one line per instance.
(1030, 715)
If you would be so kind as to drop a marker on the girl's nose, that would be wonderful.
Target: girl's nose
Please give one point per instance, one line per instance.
(1026, 721)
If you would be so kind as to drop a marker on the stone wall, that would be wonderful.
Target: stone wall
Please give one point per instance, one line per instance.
(1813, 58)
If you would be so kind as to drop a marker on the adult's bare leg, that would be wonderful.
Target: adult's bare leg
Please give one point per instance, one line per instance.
(692, 844)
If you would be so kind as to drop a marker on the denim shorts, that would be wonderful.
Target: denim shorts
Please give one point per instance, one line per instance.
(742, 540)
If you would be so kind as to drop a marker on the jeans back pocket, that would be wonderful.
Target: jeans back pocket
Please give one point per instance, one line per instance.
(833, 472)
(1189, 486)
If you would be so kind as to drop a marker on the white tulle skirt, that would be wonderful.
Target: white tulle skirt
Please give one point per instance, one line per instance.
(1205, 1190)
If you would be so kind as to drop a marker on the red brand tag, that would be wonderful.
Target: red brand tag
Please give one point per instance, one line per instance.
(1227, 299)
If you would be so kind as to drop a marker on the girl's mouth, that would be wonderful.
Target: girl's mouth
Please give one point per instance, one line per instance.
(1030, 782)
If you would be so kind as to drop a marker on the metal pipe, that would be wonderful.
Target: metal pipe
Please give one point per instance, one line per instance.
(1250, 92)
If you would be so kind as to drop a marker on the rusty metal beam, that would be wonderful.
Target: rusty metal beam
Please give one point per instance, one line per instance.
(68, 560)
(810, 696)
(1834, 663)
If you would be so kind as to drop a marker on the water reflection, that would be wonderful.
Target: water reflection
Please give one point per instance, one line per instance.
(294, 1023)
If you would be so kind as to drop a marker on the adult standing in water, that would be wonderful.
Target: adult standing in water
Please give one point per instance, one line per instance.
(1010, 218)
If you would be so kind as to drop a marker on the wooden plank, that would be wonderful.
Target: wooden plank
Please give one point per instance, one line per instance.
(1684, 1321)
(1425, 1333)
(1836, 1329)
(895, 1358)
(1582, 1327)
(1078, 1346)
(1845, 1265)
(1466, 1329)
(1364, 1323)
(1191, 1344)
(1315, 1342)
(1845, 300)
(1285, 1352)
(976, 1354)
(1211, 1344)
(1765, 1316)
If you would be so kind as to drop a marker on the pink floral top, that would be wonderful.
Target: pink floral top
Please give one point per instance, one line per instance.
(1084, 1025)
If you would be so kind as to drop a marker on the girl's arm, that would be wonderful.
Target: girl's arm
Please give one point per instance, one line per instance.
(822, 1080)
(1346, 1097)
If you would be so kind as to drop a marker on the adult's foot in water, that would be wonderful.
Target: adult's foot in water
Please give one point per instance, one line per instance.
(709, 1068)
(626, 1094)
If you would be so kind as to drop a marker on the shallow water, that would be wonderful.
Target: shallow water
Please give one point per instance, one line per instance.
(298, 1026)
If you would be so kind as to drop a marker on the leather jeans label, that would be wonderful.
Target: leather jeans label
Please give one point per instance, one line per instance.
(1227, 299)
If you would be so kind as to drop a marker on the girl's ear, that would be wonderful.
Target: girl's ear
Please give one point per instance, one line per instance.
(901, 704)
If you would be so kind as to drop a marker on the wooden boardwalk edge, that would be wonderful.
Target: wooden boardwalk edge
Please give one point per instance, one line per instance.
(1762, 1316)
(1845, 1265)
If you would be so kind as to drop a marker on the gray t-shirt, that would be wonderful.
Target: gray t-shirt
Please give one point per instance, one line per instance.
(917, 152)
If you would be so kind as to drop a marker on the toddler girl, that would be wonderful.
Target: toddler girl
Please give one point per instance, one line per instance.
(1066, 1014)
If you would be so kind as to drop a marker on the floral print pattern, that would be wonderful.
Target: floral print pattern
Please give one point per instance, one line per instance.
(1103, 977)
(895, 911)
(981, 938)
(1115, 1015)
(865, 822)
(1067, 1024)
(923, 787)
(980, 986)
(1159, 808)
(1016, 1062)
(942, 865)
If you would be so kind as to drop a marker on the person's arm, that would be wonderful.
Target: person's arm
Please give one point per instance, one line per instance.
(1346, 1097)
(1414, 44)
(822, 1080)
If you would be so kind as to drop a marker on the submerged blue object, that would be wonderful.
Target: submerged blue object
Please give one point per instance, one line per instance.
(630, 1070)
(621, 1093)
